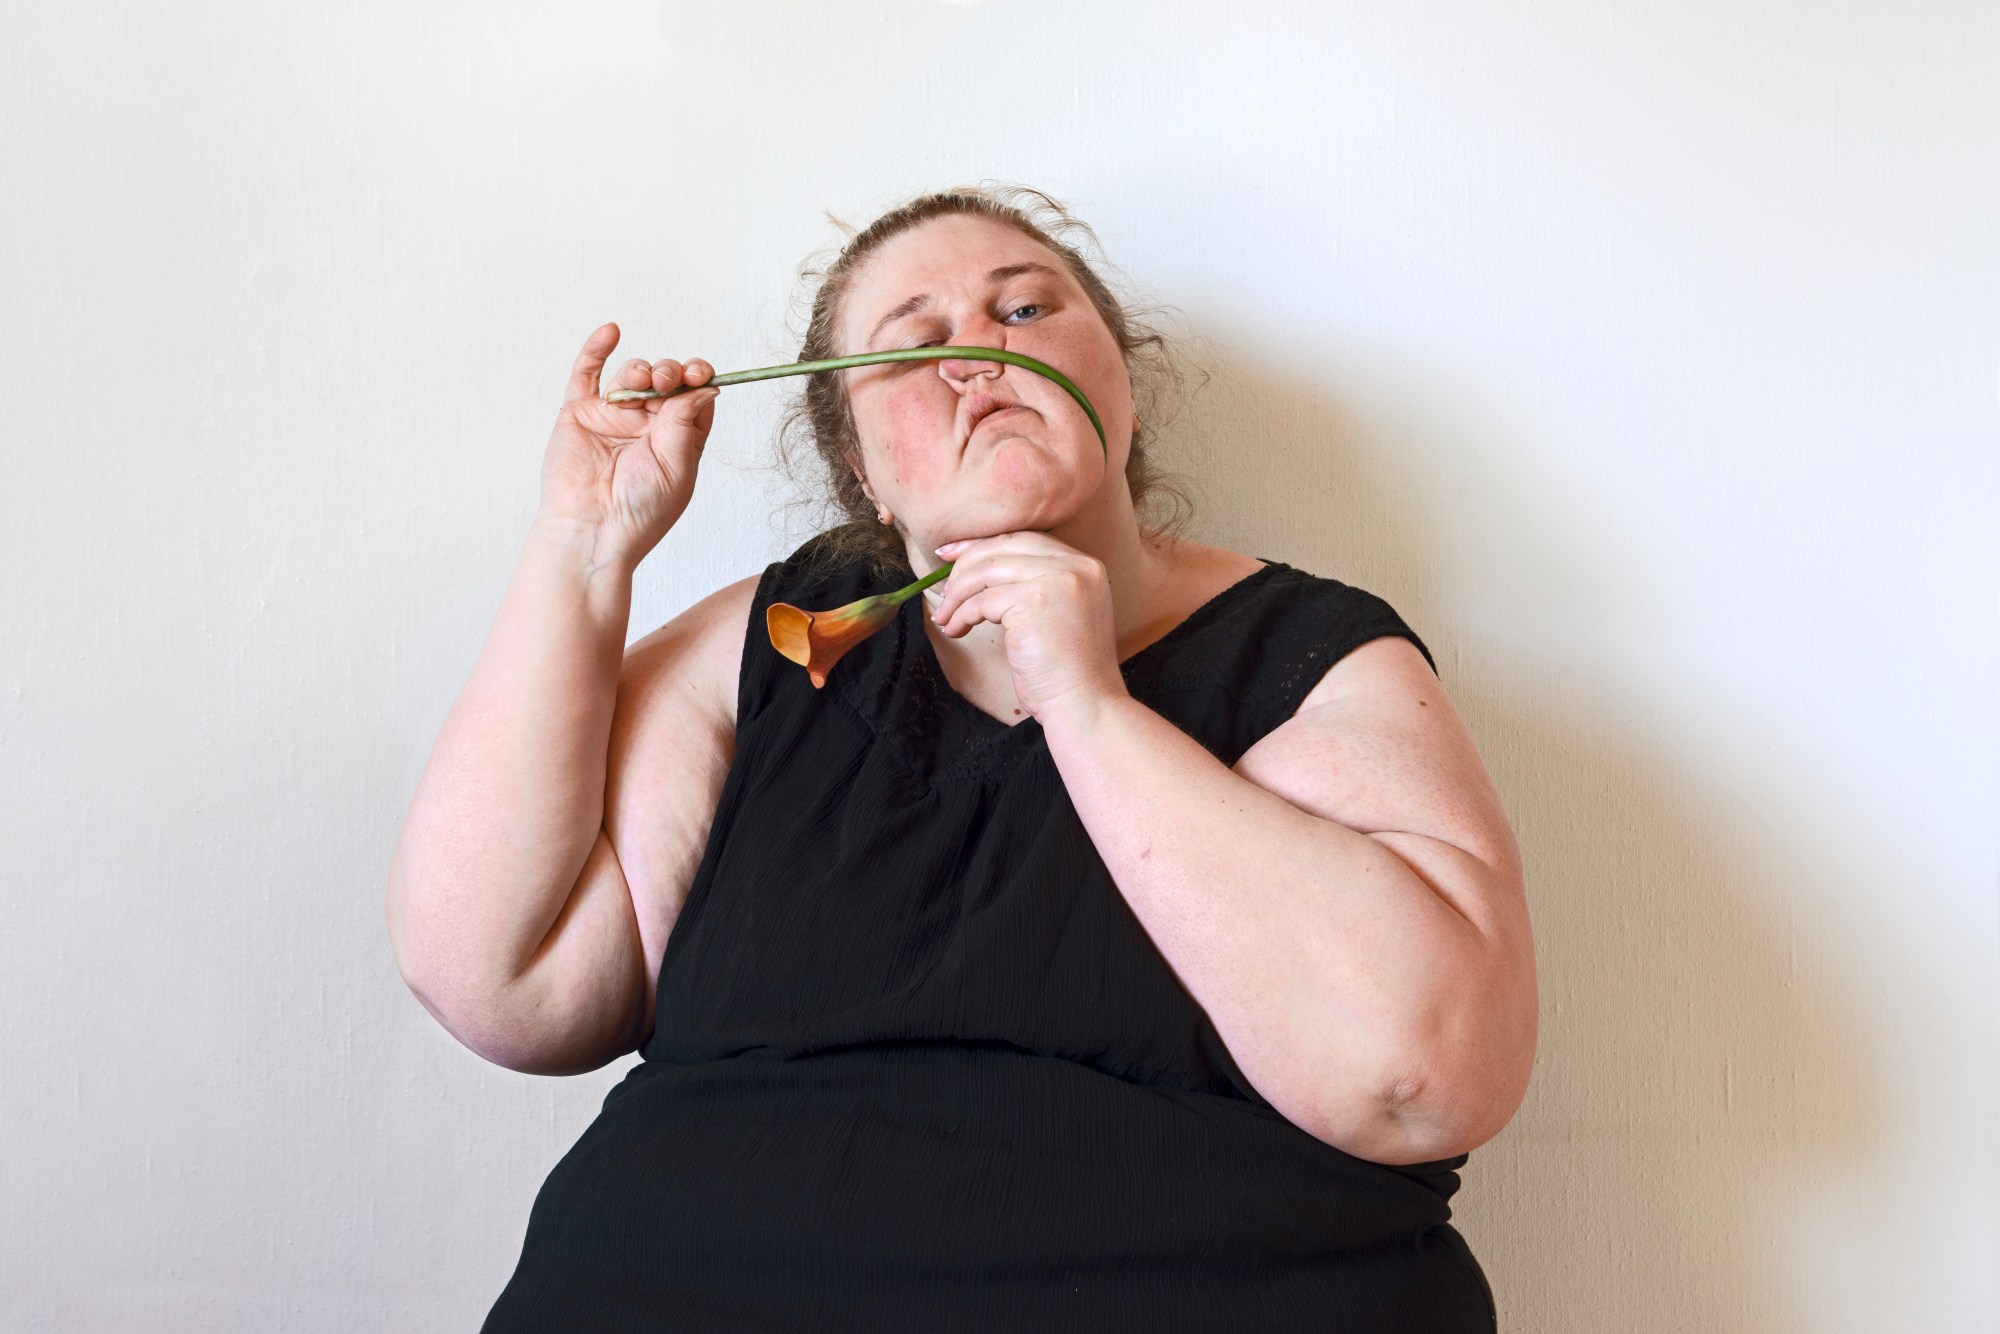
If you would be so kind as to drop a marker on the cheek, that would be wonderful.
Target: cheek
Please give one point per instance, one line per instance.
(1093, 360)
(917, 465)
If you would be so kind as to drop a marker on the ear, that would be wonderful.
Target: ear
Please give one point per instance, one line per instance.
(861, 476)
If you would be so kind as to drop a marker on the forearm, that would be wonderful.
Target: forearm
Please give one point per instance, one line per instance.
(511, 801)
(1333, 972)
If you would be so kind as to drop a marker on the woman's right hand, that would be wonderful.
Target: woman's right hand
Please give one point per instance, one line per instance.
(619, 474)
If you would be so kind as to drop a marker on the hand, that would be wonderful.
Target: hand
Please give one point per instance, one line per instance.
(1053, 604)
(619, 475)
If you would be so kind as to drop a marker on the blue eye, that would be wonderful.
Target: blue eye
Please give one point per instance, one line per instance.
(1019, 309)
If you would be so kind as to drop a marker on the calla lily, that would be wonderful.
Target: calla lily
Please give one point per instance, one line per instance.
(816, 640)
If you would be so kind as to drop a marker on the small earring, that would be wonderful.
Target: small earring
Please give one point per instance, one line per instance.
(883, 516)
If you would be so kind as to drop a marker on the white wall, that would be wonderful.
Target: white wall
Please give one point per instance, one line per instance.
(1644, 355)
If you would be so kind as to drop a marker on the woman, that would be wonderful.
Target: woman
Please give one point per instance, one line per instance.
(1127, 936)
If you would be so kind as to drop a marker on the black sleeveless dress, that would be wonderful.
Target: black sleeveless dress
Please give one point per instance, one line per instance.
(917, 1066)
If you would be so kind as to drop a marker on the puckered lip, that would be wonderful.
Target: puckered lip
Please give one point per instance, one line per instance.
(981, 406)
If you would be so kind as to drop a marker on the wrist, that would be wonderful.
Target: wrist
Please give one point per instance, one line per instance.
(1076, 714)
(578, 566)
(595, 551)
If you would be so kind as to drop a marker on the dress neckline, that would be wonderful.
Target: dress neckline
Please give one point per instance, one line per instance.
(957, 702)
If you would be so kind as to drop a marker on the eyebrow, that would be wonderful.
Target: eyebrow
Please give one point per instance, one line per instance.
(912, 305)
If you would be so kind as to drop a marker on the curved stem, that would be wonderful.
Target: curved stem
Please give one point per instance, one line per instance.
(1040, 368)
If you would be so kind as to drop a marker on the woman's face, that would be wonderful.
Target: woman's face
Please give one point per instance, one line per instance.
(961, 449)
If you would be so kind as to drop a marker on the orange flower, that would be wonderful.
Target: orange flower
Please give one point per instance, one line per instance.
(816, 639)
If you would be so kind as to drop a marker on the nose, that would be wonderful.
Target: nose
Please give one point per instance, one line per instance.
(961, 372)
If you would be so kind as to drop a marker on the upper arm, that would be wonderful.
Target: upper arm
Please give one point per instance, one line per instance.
(589, 986)
(1377, 747)
(673, 738)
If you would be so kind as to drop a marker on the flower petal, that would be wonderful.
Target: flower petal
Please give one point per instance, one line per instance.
(790, 629)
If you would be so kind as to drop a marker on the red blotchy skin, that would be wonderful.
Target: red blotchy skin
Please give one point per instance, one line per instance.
(1039, 467)
(918, 464)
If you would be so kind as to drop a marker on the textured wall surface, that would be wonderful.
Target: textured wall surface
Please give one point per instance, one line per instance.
(1644, 355)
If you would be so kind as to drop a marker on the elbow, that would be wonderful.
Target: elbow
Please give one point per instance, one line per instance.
(413, 940)
(527, 1025)
(1458, 1093)
(1414, 1119)
(462, 1009)
(460, 983)
(1461, 1068)
(1435, 1099)
(499, 1028)
(416, 965)
(1423, 1122)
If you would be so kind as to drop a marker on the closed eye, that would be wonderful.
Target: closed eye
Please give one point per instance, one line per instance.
(1030, 311)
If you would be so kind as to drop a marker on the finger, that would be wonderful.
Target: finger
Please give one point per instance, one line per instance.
(990, 604)
(968, 580)
(692, 411)
(635, 374)
(590, 363)
(1024, 540)
(665, 375)
(697, 371)
(968, 576)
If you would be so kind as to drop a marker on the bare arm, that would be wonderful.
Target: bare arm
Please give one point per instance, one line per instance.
(510, 916)
(508, 817)
(673, 739)
(1346, 904)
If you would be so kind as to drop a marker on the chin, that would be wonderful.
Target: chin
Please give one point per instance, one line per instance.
(1025, 515)
(1026, 495)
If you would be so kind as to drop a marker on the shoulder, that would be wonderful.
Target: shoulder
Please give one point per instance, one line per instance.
(689, 666)
(695, 663)
(1377, 745)
(1348, 685)
(1272, 632)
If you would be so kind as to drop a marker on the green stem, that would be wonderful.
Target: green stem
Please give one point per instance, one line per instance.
(1026, 363)
(1040, 368)
(904, 594)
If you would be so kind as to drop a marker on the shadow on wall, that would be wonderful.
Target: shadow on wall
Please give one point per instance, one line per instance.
(1698, 1077)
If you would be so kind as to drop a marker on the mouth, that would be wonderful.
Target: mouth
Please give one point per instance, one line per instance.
(984, 410)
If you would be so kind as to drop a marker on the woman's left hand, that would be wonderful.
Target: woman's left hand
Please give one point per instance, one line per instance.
(1053, 604)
